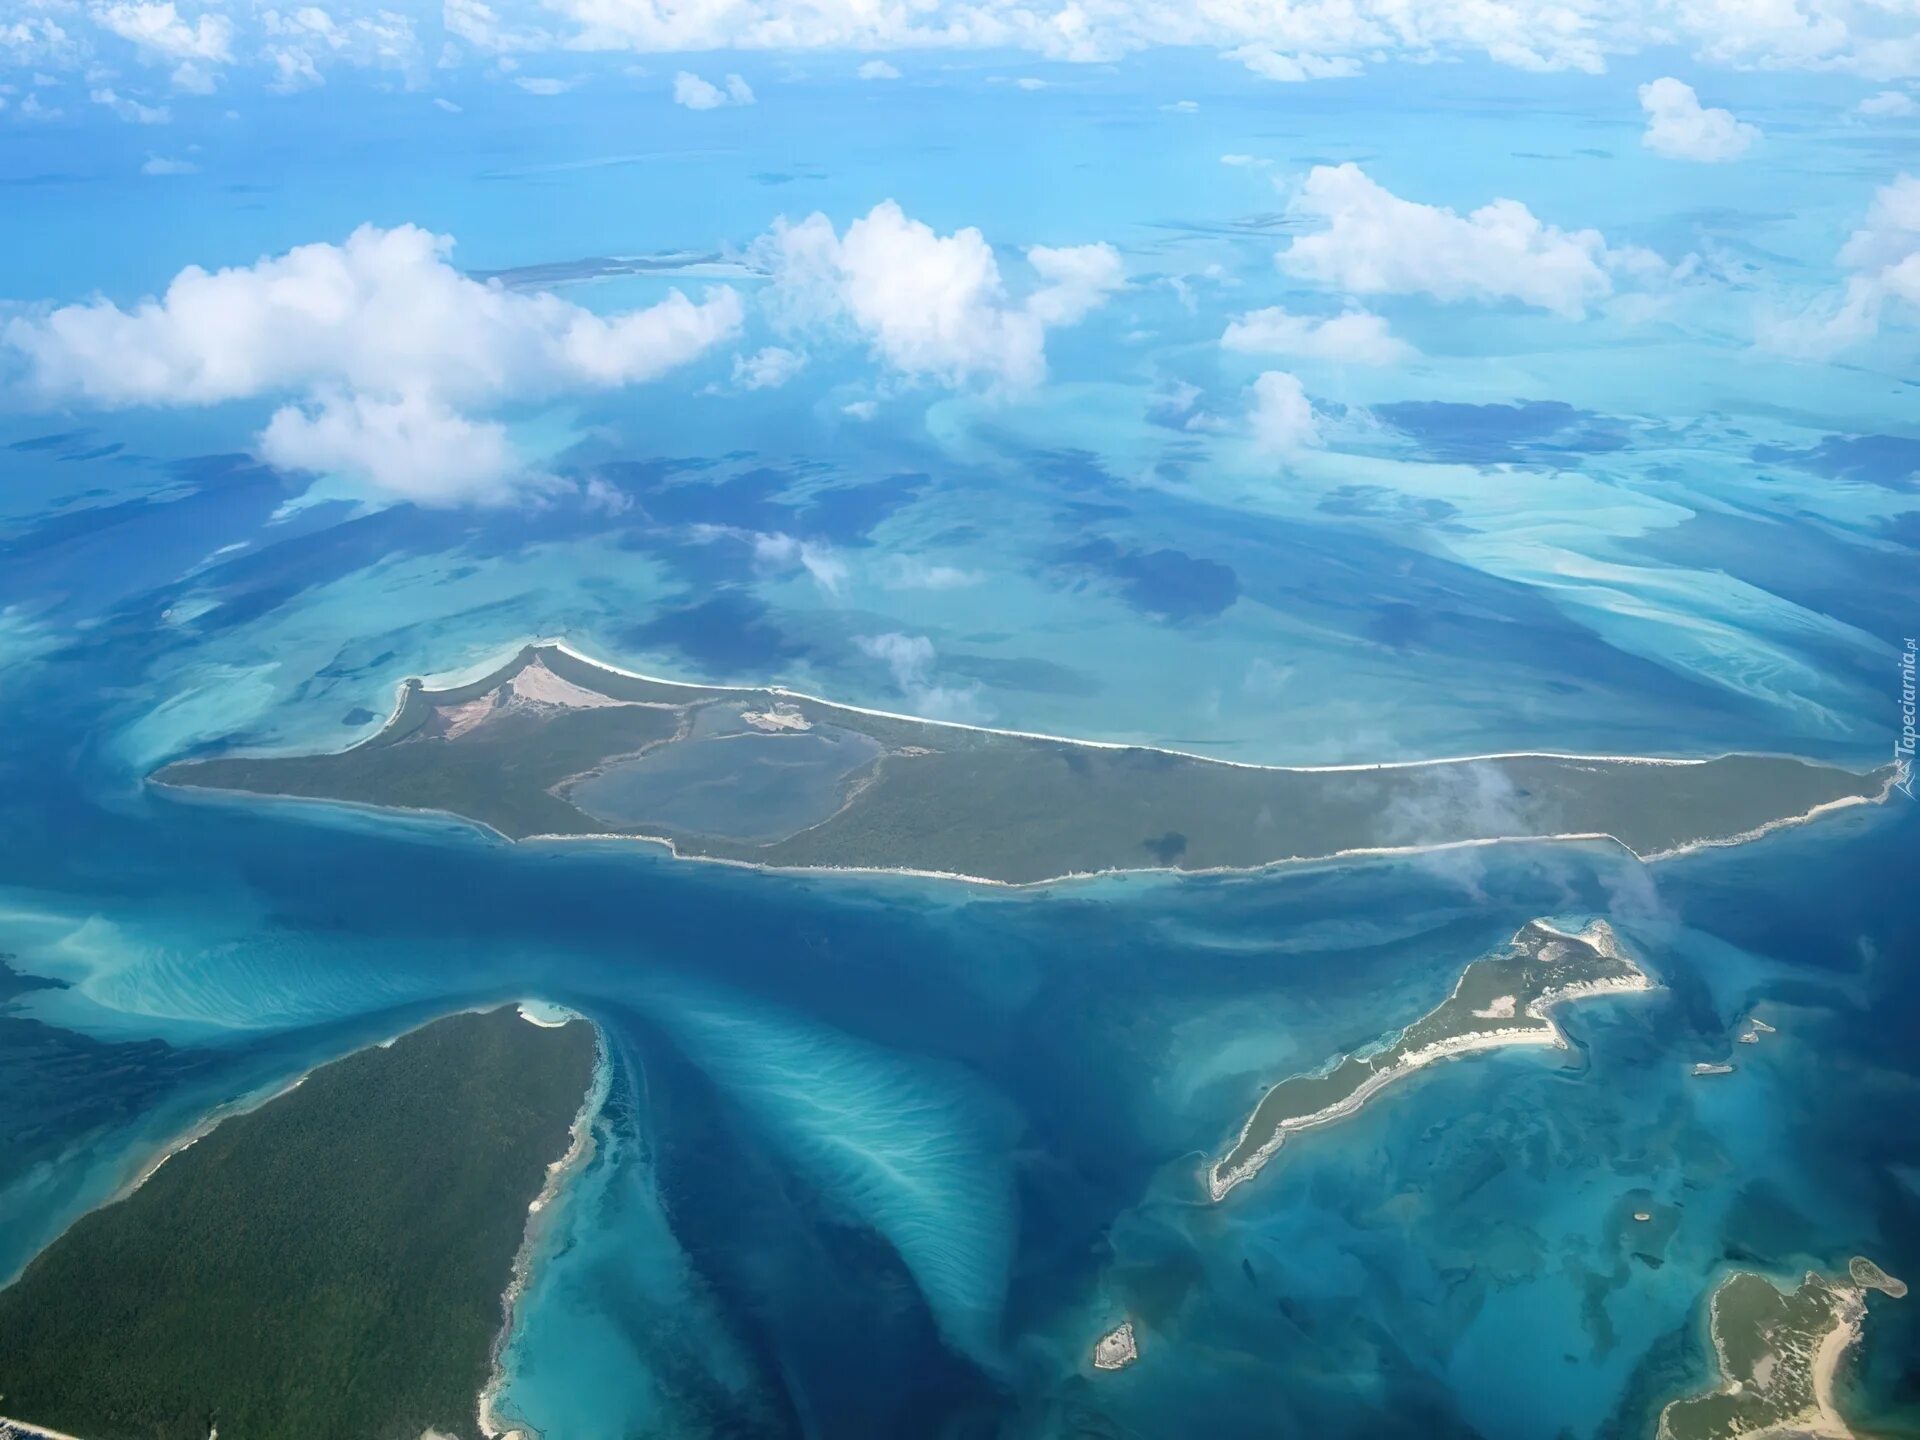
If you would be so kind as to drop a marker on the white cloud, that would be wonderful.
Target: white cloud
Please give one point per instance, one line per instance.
(1030, 82)
(36, 40)
(1281, 416)
(442, 103)
(1894, 103)
(877, 70)
(159, 30)
(1375, 243)
(542, 85)
(413, 446)
(192, 79)
(1285, 40)
(1883, 261)
(907, 572)
(161, 165)
(1357, 337)
(1270, 64)
(1883, 258)
(1182, 107)
(910, 659)
(933, 306)
(381, 337)
(861, 409)
(780, 551)
(767, 369)
(1679, 128)
(697, 94)
(129, 109)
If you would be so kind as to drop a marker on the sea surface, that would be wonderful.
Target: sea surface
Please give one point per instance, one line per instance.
(883, 1156)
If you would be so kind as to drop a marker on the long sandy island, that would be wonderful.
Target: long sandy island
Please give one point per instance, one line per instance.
(553, 746)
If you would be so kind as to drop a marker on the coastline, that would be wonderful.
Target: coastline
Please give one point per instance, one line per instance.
(192, 794)
(10, 1427)
(479, 670)
(540, 1212)
(1599, 936)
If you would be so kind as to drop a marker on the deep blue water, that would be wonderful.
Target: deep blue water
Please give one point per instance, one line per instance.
(885, 1157)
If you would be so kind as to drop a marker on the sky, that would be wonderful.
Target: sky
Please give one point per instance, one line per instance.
(1595, 304)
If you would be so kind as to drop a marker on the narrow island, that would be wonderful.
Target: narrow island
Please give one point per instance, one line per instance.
(1506, 999)
(553, 746)
(1779, 1356)
(329, 1266)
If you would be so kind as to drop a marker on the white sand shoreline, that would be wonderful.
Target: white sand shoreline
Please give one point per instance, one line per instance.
(192, 793)
(28, 1428)
(1600, 935)
(539, 1214)
(466, 675)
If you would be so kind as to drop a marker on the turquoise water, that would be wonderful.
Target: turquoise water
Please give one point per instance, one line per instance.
(885, 1156)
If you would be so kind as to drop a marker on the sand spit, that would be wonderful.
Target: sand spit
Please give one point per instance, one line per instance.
(1544, 1032)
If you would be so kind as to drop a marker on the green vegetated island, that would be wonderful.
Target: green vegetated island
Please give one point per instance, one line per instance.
(553, 745)
(333, 1265)
(1779, 1356)
(1503, 1000)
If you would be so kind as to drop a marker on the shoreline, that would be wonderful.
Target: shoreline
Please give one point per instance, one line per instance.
(32, 1431)
(479, 670)
(579, 1151)
(1599, 935)
(191, 793)
(229, 1110)
(1821, 1419)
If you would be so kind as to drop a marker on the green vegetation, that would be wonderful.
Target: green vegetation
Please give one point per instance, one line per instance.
(1502, 1000)
(1779, 1354)
(516, 749)
(329, 1266)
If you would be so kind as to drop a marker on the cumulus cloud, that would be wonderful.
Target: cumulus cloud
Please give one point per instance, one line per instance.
(1281, 417)
(380, 337)
(1271, 64)
(780, 551)
(1358, 337)
(129, 109)
(697, 94)
(877, 70)
(910, 658)
(933, 306)
(1680, 128)
(1882, 259)
(414, 446)
(1893, 103)
(1375, 243)
(1299, 40)
(160, 31)
(767, 369)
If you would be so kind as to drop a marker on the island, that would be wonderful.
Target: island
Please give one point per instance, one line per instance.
(1116, 1349)
(555, 746)
(1779, 1355)
(1503, 1000)
(332, 1265)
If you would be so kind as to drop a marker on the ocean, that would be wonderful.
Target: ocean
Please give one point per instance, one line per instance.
(885, 1156)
